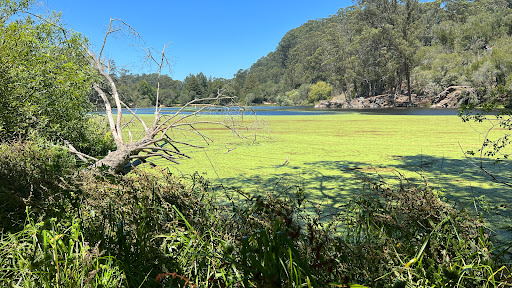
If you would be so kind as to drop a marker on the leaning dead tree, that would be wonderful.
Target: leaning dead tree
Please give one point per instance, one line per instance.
(157, 140)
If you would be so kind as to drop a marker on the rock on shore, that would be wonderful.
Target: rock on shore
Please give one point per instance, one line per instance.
(379, 101)
(451, 97)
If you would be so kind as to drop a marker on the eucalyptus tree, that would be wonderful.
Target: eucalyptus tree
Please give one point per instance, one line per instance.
(408, 39)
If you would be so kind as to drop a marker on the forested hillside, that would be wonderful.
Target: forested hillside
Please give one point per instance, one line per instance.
(373, 47)
(403, 47)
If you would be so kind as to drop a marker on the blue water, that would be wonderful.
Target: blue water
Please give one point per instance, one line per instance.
(299, 110)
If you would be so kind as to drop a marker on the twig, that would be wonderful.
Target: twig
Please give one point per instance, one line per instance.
(135, 115)
(80, 155)
(483, 169)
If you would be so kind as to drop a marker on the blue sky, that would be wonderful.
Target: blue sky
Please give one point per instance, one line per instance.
(214, 37)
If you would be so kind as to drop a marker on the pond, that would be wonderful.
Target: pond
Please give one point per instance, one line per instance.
(330, 153)
(300, 110)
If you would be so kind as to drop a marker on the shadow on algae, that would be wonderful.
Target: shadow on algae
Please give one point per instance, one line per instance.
(330, 185)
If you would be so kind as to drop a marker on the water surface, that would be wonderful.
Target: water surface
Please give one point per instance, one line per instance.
(298, 111)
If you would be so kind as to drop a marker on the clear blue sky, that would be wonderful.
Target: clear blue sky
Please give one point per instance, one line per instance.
(214, 37)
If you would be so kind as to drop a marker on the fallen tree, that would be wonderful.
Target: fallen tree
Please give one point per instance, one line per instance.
(157, 141)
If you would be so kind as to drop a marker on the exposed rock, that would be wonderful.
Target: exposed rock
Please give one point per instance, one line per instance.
(454, 96)
(331, 104)
(379, 101)
(451, 97)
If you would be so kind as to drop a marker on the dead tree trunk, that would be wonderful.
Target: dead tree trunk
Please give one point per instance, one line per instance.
(156, 141)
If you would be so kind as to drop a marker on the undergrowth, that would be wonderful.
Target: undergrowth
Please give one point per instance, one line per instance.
(155, 229)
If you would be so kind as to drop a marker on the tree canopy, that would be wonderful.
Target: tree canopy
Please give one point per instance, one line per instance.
(390, 47)
(373, 47)
(45, 81)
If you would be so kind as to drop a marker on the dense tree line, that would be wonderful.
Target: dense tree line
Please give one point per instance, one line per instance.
(373, 47)
(139, 90)
(389, 46)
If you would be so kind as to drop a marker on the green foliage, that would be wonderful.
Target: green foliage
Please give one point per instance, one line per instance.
(297, 96)
(31, 174)
(385, 47)
(140, 90)
(8, 8)
(270, 259)
(46, 80)
(371, 48)
(319, 91)
(153, 229)
(502, 60)
(439, 70)
(145, 91)
(428, 241)
(45, 83)
(54, 254)
(495, 145)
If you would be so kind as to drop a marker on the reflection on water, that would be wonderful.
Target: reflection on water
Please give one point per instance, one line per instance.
(298, 110)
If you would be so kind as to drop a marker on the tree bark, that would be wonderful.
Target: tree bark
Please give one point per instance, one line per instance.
(408, 79)
(118, 161)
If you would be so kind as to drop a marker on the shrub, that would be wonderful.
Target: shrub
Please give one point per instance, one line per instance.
(32, 174)
(319, 91)
(159, 226)
(155, 224)
(46, 78)
(154, 229)
(408, 235)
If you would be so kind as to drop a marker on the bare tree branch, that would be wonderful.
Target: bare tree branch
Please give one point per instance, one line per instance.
(165, 150)
(481, 167)
(152, 142)
(80, 155)
(108, 111)
(163, 61)
(166, 157)
(111, 30)
(184, 143)
(115, 95)
(179, 112)
(135, 115)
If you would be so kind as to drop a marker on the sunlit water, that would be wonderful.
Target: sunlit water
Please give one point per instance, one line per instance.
(297, 111)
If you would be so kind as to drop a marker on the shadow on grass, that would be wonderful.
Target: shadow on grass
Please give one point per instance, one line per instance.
(330, 185)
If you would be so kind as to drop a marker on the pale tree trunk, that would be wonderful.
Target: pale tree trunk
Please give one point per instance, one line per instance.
(408, 79)
(117, 161)
(156, 143)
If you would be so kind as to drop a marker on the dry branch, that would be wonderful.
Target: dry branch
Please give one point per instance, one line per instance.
(481, 167)
(155, 137)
